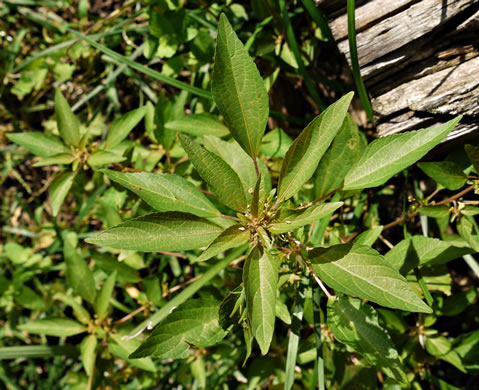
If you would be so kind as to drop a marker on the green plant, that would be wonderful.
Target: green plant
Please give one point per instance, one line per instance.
(268, 222)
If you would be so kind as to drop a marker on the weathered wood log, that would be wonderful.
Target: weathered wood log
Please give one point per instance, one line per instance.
(419, 60)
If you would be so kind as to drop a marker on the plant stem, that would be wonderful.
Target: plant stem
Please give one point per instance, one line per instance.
(450, 199)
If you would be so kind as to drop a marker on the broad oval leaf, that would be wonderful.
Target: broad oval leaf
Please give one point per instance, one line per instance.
(356, 324)
(40, 144)
(122, 348)
(260, 278)
(219, 175)
(446, 173)
(287, 220)
(238, 90)
(418, 250)
(68, 126)
(199, 125)
(59, 327)
(171, 231)
(362, 272)
(193, 323)
(307, 150)
(88, 349)
(442, 348)
(232, 237)
(121, 127)
(166, 192)
(386, 156)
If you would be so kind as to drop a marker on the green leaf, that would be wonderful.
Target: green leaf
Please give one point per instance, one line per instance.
(446, 173)
(368, 237)
(467, 347)
(194, 323)
(236, 158)
(166, 192)
(59, 189)
(102, 157)
(435, 211)
(287, 220)
(88, 349)
(362, 272)
(40, 144)
(172, 231)
(79, 276)
(121, 127)
(419, 250)
(219, 175)
(103, 297)
(258, 199)
(68, 126)
(199, 125)
(122, 348)
(275, 143)
(355, 324)
(441, 348)
(232, 237)
(343, 152)
(238, 90)
(260, 278)
(59, 327)
(386, 156)
(307, 150)
(79, 311)
(57, 159)
(468, 231)
(203, 46)
(473, 154)
(110, 264)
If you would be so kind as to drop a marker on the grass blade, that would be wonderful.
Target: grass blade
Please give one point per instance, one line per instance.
(353, 51)
(37, 351)
(297, 54)
(295, 334)
(141, 68)
(318, 373)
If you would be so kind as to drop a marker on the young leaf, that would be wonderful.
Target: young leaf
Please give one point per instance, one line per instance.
(306, 151)
(87, 348)
(68, 126)
(287, 220)
(258, 199)
(59, 189)
(368, 237)
(419, 250)
(166, 192)
(236, 158)
(468, 231)
(472, 152)
(355, 324)
(441, 348)
(193, 323)
(386, 156)
(362, 272)
(446, 173)
(172, 231)
(40, 144)
(121, 127)
(344, 151)
(232, 237)
(57, 159)
(260, 278)
(103, 297)
(218, 174)
(59, 327)
(238, 90)
(199, 125)
(102, 157)
(123, 348)
(79, 275)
